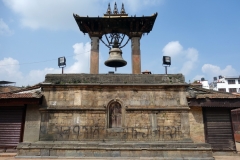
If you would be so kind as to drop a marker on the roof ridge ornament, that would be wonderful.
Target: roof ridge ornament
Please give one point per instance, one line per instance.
(109, 9)
(122, 9)
(115, 11)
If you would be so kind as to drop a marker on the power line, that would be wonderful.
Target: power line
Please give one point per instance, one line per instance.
(41, 61)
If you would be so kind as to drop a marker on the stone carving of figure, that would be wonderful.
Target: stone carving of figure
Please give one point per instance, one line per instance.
(115, 115)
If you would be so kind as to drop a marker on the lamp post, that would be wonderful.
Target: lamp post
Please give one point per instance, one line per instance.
(166, 62)
(62, 62)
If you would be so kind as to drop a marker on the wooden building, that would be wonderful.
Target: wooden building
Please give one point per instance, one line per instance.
(13, 109)
(236, 123)
(215, 108)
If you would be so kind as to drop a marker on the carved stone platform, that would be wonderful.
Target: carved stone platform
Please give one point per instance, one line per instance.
(160, 150)
(113, 115)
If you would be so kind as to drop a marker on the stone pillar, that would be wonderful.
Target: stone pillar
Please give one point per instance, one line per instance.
(185, 126)
(94, 59)
(136, 56)
(32, 124)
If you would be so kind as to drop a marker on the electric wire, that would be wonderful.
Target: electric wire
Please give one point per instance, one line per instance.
(42, 61)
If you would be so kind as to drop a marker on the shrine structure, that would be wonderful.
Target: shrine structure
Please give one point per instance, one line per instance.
(114, 115)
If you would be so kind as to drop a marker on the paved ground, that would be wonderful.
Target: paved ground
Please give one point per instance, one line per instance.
(9, 157)
(227, 157)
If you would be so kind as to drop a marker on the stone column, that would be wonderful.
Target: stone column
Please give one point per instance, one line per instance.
(185, 126)
(94, 59)
(136, 56)
(32, 124)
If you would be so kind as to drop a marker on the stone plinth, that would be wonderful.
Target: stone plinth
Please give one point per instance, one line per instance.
(117, 115)
(170, 151)
(32, 124)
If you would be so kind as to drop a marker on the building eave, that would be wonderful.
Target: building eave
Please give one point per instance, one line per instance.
(97, 26)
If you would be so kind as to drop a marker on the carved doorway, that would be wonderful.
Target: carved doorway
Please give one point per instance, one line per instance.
(115, 115)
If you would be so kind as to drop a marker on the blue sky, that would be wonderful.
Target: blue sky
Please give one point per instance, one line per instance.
(201, 36)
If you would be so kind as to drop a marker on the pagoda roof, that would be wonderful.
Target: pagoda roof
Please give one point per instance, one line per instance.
(131, 26)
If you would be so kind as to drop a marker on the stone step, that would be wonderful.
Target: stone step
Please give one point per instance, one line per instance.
(100, 150)
(118, 145)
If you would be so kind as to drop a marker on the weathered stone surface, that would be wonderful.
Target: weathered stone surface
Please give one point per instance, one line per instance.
(185, 125)
(115, 116)
(32, 124)
(123, 79)
(196, 125)
(74, 125)
(133, 97)
(44, 152)
(29, 152)
(148, 112)
(121, 149)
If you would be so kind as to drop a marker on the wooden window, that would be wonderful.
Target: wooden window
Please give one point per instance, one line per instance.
(231, 81)
(222, 89)
(231, 90)
(115, 115)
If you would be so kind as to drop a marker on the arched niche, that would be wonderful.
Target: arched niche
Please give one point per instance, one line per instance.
(115, 114)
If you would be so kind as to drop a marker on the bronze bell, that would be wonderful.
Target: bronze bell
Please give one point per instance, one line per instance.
(115, 57)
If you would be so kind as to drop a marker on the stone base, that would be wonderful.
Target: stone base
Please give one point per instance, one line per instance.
(115, 149)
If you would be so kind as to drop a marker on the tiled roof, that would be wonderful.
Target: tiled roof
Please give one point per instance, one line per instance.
(196, 92)
(26, 89)
(22, 95)
(30, 92)
(8, 88)
(217, 95)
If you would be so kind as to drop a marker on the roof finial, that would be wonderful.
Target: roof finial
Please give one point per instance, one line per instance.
(109, 9)
(115, 11)
(123, 10)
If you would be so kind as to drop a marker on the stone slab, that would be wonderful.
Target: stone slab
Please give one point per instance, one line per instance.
(32, 124)
(99, 150)
(123, 79)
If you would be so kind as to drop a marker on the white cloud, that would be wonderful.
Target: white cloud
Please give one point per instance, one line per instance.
(212, 70)
(191, 55)
(52, 14)
(4, 29)
(38, 76)
(185, 58)
(197, 77)
(10, 71)
(10, 68)
(81, 64)
(55, 14)
(172, 49)
(82, 54)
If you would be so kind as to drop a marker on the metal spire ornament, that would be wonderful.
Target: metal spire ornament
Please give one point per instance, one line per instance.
(115, 11)
(109, 9)
(122, 9)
